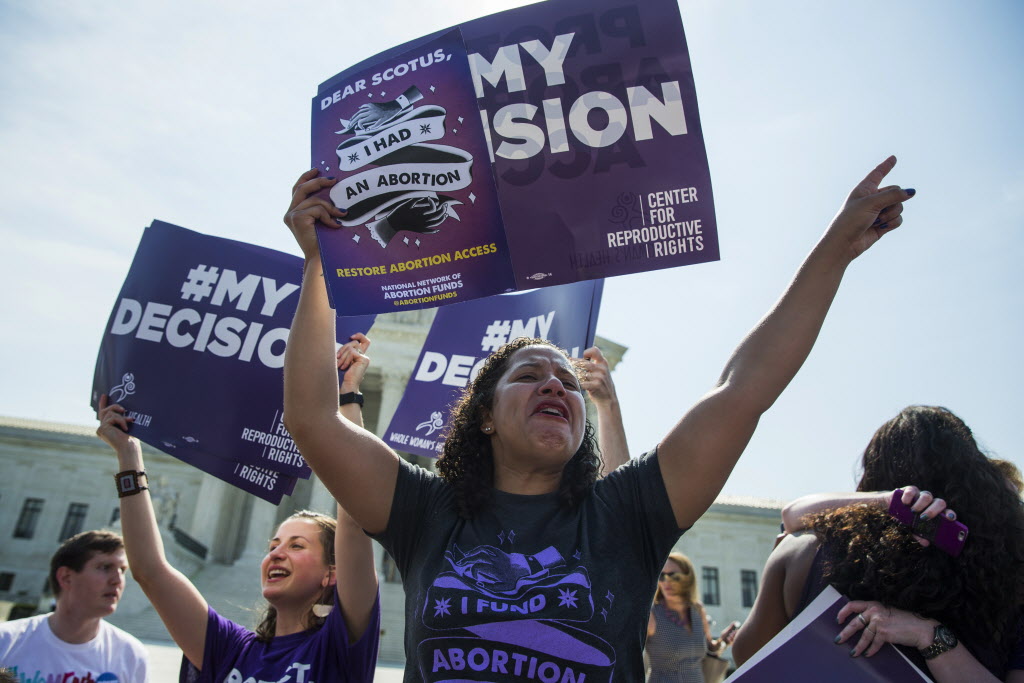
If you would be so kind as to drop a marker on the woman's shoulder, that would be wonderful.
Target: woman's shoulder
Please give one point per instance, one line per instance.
(411, 474)
(802, 544)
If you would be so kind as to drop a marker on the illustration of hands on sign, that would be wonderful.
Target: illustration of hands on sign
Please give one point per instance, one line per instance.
(399, 189)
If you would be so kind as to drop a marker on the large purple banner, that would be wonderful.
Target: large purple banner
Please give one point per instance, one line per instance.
(194, 350)
(804, 652)
(462, 337)
(588, 115)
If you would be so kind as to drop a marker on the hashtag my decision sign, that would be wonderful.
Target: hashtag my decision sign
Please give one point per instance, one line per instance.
(194, 350)
(462, 337)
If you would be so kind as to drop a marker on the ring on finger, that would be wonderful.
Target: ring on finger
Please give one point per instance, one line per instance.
(924, 493)
(864, 621)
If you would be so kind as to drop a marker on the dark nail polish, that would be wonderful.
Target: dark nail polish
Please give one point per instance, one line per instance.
(910, 191)
(342, 210)
(836, 641)
(330, 177)
(338, 221)
(853, 652)
(877, 221)
(883, 226)
(924, 515)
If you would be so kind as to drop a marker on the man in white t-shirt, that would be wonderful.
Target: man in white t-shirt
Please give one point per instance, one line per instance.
(74, 643)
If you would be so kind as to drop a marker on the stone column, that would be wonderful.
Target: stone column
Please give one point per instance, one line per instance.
(259, 528)
(209, 510)
(321, 499)
(391, 390)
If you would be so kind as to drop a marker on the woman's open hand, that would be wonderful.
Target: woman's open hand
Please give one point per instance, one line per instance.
(879, 625)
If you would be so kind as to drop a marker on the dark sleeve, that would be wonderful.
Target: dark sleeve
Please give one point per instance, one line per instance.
(1017, 654)
(636, 496)
(224, 638)
(420, 498)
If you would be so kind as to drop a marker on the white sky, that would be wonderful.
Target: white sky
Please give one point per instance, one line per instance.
(197, 113)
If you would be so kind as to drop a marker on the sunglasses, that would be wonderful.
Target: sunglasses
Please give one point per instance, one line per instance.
(670, 576)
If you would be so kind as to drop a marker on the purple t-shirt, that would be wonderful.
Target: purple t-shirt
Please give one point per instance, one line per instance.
(233, 655)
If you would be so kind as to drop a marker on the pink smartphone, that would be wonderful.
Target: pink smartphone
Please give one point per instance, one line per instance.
(947, 534)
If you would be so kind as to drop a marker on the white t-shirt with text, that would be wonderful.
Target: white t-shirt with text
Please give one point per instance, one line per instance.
(29, 648)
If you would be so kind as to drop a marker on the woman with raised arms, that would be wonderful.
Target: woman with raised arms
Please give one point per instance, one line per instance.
(517, 562)
(318, 578)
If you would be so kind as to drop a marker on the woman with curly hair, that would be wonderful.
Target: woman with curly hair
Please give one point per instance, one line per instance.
(957, 617)
(519, 563)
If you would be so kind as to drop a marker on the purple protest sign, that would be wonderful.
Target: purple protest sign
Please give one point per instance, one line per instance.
(423, 225)
(194, 350)
(805, 652)
(590, 114)
(462, 337)
(270, 485)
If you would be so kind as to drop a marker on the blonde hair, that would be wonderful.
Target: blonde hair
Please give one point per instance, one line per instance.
(1010, 471)
(688, 585)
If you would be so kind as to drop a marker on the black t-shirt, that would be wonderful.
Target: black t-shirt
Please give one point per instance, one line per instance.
(529, 590)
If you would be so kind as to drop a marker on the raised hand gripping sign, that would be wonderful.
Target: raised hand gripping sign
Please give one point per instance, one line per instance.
(572, 124)
(460, 339)
(194, 351)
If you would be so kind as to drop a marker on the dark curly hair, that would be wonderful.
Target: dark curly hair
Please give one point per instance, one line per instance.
(873, 557)
(467, 461)
(327, 526)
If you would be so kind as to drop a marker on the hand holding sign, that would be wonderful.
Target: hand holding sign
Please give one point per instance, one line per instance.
(306, 209)
(114, 425)
(596, 379)
(352, 359)
(880, 625)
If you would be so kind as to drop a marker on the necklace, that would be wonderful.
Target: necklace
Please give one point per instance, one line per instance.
(677, 619)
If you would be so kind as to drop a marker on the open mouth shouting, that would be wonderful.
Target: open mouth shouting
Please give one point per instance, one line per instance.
(555, 409)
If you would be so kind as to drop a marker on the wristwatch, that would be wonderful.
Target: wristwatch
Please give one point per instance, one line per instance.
(943, 641)
(350, 397)
(131, 482)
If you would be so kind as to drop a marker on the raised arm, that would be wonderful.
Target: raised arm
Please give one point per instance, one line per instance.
(180, 606)
(357, 468)
(796, 511)
(611, 434)
(700, 451)
(923, 502)
(353, 551)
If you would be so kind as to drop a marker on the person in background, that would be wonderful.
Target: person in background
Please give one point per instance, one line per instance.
(678, 632)
(75, 641)
(957, 617)
(318, 578)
